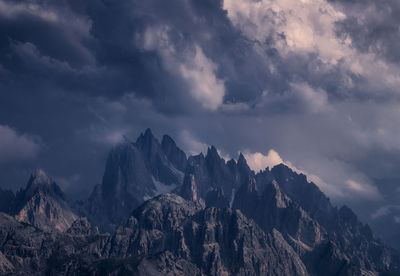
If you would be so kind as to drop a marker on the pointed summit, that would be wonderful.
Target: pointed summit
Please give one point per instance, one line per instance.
(43, 204)
(173, 153)
(241, 159)
(212, 152)
(242, 164)
(213, 158)
(39, 181)
(146, 139)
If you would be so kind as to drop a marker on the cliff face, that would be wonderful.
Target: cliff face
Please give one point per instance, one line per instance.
(195, 240)
(216, 218)
(135, 172)
(43, 204)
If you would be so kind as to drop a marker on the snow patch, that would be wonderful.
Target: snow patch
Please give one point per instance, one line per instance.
(160, 188)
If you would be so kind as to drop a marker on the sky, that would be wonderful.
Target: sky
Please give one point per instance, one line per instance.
(311, 83)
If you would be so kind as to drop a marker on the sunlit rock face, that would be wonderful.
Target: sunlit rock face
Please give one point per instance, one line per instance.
(44, 205)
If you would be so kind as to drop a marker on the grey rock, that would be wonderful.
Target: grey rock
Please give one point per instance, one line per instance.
(216, 198)
(44, 205)
(134, 172)
(174, 154)
(213, 241)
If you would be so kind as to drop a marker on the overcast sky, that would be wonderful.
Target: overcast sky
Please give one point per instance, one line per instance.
(312, 83)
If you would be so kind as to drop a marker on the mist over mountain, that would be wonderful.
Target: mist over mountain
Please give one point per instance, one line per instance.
(158, 212)
(280, 114)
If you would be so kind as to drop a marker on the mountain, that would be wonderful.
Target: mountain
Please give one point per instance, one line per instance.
(204, 241)
(134, 172)
(194, 240)
(171, 215)
(212, 175)
(330, 241)
(43, 204)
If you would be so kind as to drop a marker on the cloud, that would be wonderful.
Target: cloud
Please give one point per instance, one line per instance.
(258, 161)
(190, 144)
(197, 71)
(200, 76)
(363, 189)
(16, 147)
(315, 80)
(350, 188)
(314, 100)
(385, 211)
(301, 26)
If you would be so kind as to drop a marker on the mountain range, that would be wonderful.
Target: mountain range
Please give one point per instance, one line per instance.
(159, 212)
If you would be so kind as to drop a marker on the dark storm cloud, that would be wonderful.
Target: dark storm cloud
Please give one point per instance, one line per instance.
(317, 82)
(373, 26)
(14, 146)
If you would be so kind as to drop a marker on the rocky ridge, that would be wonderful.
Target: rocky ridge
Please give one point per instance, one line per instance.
(169, 215)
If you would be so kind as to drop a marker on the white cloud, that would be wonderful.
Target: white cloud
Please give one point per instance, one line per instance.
(191, 65)
(360, 187)
(302, 27)
(307, 25)
(258, 161)
(14, 146)
(199, 73)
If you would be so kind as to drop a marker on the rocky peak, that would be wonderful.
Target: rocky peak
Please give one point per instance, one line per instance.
(43, 204)
(212, 155)
(242, 163)
(196, 160)
(303, 192)
(173, 153)
(39, 181)
(136, 172)
(147, 142)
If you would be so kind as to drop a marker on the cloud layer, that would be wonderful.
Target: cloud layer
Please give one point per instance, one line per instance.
(315, 80)
(16, 147)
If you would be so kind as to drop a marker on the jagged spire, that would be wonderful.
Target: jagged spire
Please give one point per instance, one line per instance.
(242, 164)
(40, 181)
(212, 151)
(145, 137)
(175, 155)
(167, 140)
